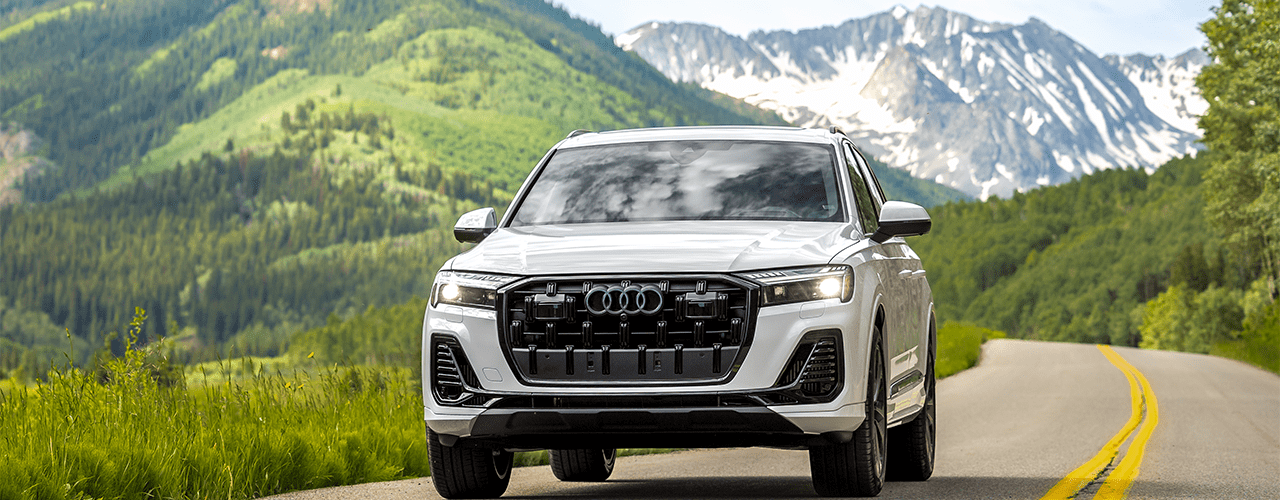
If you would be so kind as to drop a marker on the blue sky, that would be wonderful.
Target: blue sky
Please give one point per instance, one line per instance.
(1166, 27)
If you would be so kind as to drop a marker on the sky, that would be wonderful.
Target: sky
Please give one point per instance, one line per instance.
(1167, 27)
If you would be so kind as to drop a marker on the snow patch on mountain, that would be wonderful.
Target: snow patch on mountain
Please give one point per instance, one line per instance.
(1168, 85)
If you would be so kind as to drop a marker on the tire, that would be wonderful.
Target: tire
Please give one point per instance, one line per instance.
(588, 465)
(911, 445)
(857, 468)
(462, 472)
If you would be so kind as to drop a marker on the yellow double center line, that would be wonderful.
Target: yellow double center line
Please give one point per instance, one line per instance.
(1122, 475)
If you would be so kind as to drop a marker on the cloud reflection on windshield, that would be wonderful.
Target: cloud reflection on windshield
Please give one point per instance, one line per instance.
(715, 180)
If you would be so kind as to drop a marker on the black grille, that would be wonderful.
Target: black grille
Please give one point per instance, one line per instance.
(666, 329)
(452, 379)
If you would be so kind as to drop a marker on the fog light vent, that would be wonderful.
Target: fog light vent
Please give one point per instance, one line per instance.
(813, 374)
(452, 378)
(822, 371)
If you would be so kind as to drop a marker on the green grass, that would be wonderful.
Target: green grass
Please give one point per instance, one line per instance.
(1259, 354)
(222, 69)
(960, 346)
(74, 437)
(116, 433)
(156, 57)
(242, 428)
(1259, 343)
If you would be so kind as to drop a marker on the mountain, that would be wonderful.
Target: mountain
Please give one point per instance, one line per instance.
(1168, 85)
(986, 108)
(113, 85)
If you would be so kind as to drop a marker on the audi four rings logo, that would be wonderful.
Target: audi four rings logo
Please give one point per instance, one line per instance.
(615, 300)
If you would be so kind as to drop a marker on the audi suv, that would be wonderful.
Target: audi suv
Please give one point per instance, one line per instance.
(685, 287)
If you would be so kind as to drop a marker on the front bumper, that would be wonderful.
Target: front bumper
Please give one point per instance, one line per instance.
(697, 427)
(736, 412)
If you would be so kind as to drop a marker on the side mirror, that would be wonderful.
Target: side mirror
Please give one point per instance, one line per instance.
(475, 225)
(898, 218)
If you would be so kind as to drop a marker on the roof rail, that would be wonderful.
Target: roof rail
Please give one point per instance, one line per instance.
(836, 130)
(578, 132)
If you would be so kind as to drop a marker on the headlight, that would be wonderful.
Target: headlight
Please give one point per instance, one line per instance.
(467, 289)
(786, 286)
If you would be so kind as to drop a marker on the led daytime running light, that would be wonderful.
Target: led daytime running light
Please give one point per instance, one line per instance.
(467, 289)
(786, 286)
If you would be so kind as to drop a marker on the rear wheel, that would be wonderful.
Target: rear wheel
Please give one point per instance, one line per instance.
(462, 472)
(591, 464)
(857, 468)
(912, 443)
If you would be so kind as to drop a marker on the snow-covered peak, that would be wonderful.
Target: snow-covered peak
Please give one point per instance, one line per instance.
(1168, 85)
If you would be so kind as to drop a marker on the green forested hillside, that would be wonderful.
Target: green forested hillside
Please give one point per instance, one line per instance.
(1116, 257)
(1068, 262)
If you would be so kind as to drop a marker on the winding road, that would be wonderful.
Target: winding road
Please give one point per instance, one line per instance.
(1023, 424)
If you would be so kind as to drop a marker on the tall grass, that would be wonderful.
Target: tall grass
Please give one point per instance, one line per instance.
(959, 347)
(116, 433)
(243, 428)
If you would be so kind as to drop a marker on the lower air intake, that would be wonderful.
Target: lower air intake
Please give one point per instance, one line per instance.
(452, 379)
(813, 375)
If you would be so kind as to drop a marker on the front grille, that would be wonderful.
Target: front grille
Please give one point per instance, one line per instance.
(645, 329)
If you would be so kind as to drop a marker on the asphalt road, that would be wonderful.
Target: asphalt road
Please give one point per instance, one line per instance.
(1013, 427)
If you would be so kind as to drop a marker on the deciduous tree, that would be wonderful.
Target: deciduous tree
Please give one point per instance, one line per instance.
(1243, 124)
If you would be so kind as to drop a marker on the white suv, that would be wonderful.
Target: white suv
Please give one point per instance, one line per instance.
(685, 287)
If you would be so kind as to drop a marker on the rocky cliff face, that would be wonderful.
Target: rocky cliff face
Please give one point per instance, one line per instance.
(18, 158)
(985, 108)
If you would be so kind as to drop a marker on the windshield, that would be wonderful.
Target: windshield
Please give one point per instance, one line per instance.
(683, 180)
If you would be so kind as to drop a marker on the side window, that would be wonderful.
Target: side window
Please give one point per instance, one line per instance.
(867, 206)
(874, 183)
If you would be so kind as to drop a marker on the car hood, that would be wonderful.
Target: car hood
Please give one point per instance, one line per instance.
(657, 247)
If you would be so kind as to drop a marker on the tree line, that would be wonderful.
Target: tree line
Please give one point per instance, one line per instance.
(225, 243)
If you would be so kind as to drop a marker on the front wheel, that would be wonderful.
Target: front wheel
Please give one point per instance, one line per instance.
(592, 464)
(857, 468)
(462, 472)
